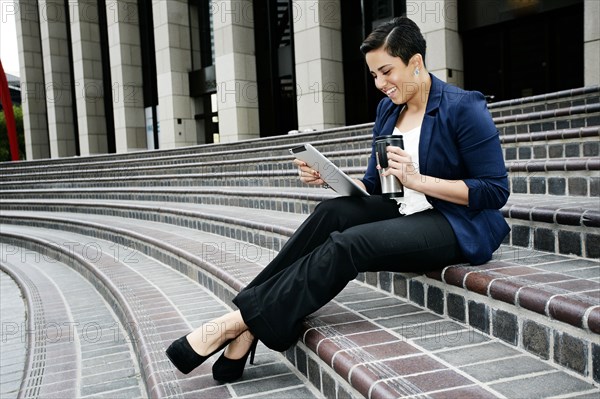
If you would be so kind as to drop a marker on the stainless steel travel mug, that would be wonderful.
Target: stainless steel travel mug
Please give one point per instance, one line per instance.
(390, 185)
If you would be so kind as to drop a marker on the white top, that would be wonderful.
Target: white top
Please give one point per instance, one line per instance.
(413, 201)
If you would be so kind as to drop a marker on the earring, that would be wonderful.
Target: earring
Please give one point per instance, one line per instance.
(417, 72)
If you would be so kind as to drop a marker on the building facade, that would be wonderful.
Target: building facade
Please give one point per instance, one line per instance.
(105, 76)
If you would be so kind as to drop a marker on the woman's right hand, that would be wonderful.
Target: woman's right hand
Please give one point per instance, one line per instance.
(307, 174)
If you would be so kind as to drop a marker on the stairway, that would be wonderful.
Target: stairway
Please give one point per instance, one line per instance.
(146, 246)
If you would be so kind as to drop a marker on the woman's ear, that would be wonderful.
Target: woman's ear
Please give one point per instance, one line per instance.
(416, 61)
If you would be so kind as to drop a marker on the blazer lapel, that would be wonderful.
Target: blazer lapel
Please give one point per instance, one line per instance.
(390, 122)
(433, 103)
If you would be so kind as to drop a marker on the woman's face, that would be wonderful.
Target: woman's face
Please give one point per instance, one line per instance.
(394, 78)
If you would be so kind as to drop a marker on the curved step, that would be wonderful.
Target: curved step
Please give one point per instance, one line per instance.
(530, 274)
(587, 94)
(13, 352)
(382, 350)
(77, 347)
(155, 302)
(281, 143)
(293, 200)
(553, 224)
(149, 316)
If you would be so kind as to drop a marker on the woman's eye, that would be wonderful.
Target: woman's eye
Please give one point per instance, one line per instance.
(386, 72)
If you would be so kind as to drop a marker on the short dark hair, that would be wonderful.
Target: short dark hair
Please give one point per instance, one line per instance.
(400, 37)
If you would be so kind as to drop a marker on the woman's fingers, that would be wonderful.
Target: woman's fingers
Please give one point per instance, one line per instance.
(310, 178)
(299, 163)
(308, 175)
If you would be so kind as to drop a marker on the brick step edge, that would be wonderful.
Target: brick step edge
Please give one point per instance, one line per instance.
(196, 150)
(573, 348)
(224, 286)
(566, 94)
(112, 294)
(32, 305)
(366, 383)
(227, 286)
(557, 229)
(192, 161)
(576, 215)
(367, 126)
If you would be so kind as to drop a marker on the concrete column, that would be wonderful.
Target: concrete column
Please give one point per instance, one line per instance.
(57, 75)
(126, 75)
(87, 69)
(33, 93)
(173, 62)
(319, 69)
(235, 63)
(438, 21)
(591, 42)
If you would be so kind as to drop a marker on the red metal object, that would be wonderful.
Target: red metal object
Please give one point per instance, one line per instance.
(9, 115)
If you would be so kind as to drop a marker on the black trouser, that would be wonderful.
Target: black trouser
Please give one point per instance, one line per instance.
(341, 238)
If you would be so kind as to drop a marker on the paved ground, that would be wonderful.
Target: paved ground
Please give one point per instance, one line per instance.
(430, 353)
(12, 319)
(97, 358)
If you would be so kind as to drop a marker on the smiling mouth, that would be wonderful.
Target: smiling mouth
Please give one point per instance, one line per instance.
(390, 91)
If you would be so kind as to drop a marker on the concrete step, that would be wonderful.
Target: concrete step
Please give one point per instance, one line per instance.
(75, 345)
(352, 151)
(239, 149)
(160, 305)
(567, 143)
(13, 352)
(560, 225)
(528, 272)
(544, 102)
(294, 200)
(549, 112)
(377, 341)
(256, 166)
(563, 118)
(241, 202)
(565, 225)
(569, 176)
(352, 139)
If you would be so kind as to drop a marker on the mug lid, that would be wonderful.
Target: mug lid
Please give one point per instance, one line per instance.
(389, 136)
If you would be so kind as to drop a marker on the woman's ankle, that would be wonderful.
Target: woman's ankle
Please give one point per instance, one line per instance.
(240, 346)
(206, 339)
(211, 335)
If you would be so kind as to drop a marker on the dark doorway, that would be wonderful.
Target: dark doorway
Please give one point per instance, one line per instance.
(202, 78)
(531, 54)
(149, 79)
(359, 17)
(275, 71)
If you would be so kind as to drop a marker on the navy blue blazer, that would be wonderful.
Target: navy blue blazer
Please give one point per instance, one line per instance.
(459, 141)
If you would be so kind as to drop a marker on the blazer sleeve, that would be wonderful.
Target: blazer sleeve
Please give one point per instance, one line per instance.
(371, 177)
(481, 153)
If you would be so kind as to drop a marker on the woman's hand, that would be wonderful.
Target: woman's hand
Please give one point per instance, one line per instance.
(402, 166)
(308, 175)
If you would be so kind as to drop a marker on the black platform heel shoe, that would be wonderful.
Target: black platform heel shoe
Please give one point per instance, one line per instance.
(185, 358)
(229, 370)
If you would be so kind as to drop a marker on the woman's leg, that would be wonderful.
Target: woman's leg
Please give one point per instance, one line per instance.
(336, 214)
(274, 309)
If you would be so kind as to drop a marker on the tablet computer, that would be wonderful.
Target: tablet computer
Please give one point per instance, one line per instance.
(340, 182)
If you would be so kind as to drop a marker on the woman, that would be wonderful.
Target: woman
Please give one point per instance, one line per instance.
(455, 183)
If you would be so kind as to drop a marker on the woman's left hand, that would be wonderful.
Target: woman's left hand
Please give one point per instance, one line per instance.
(402, 166)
